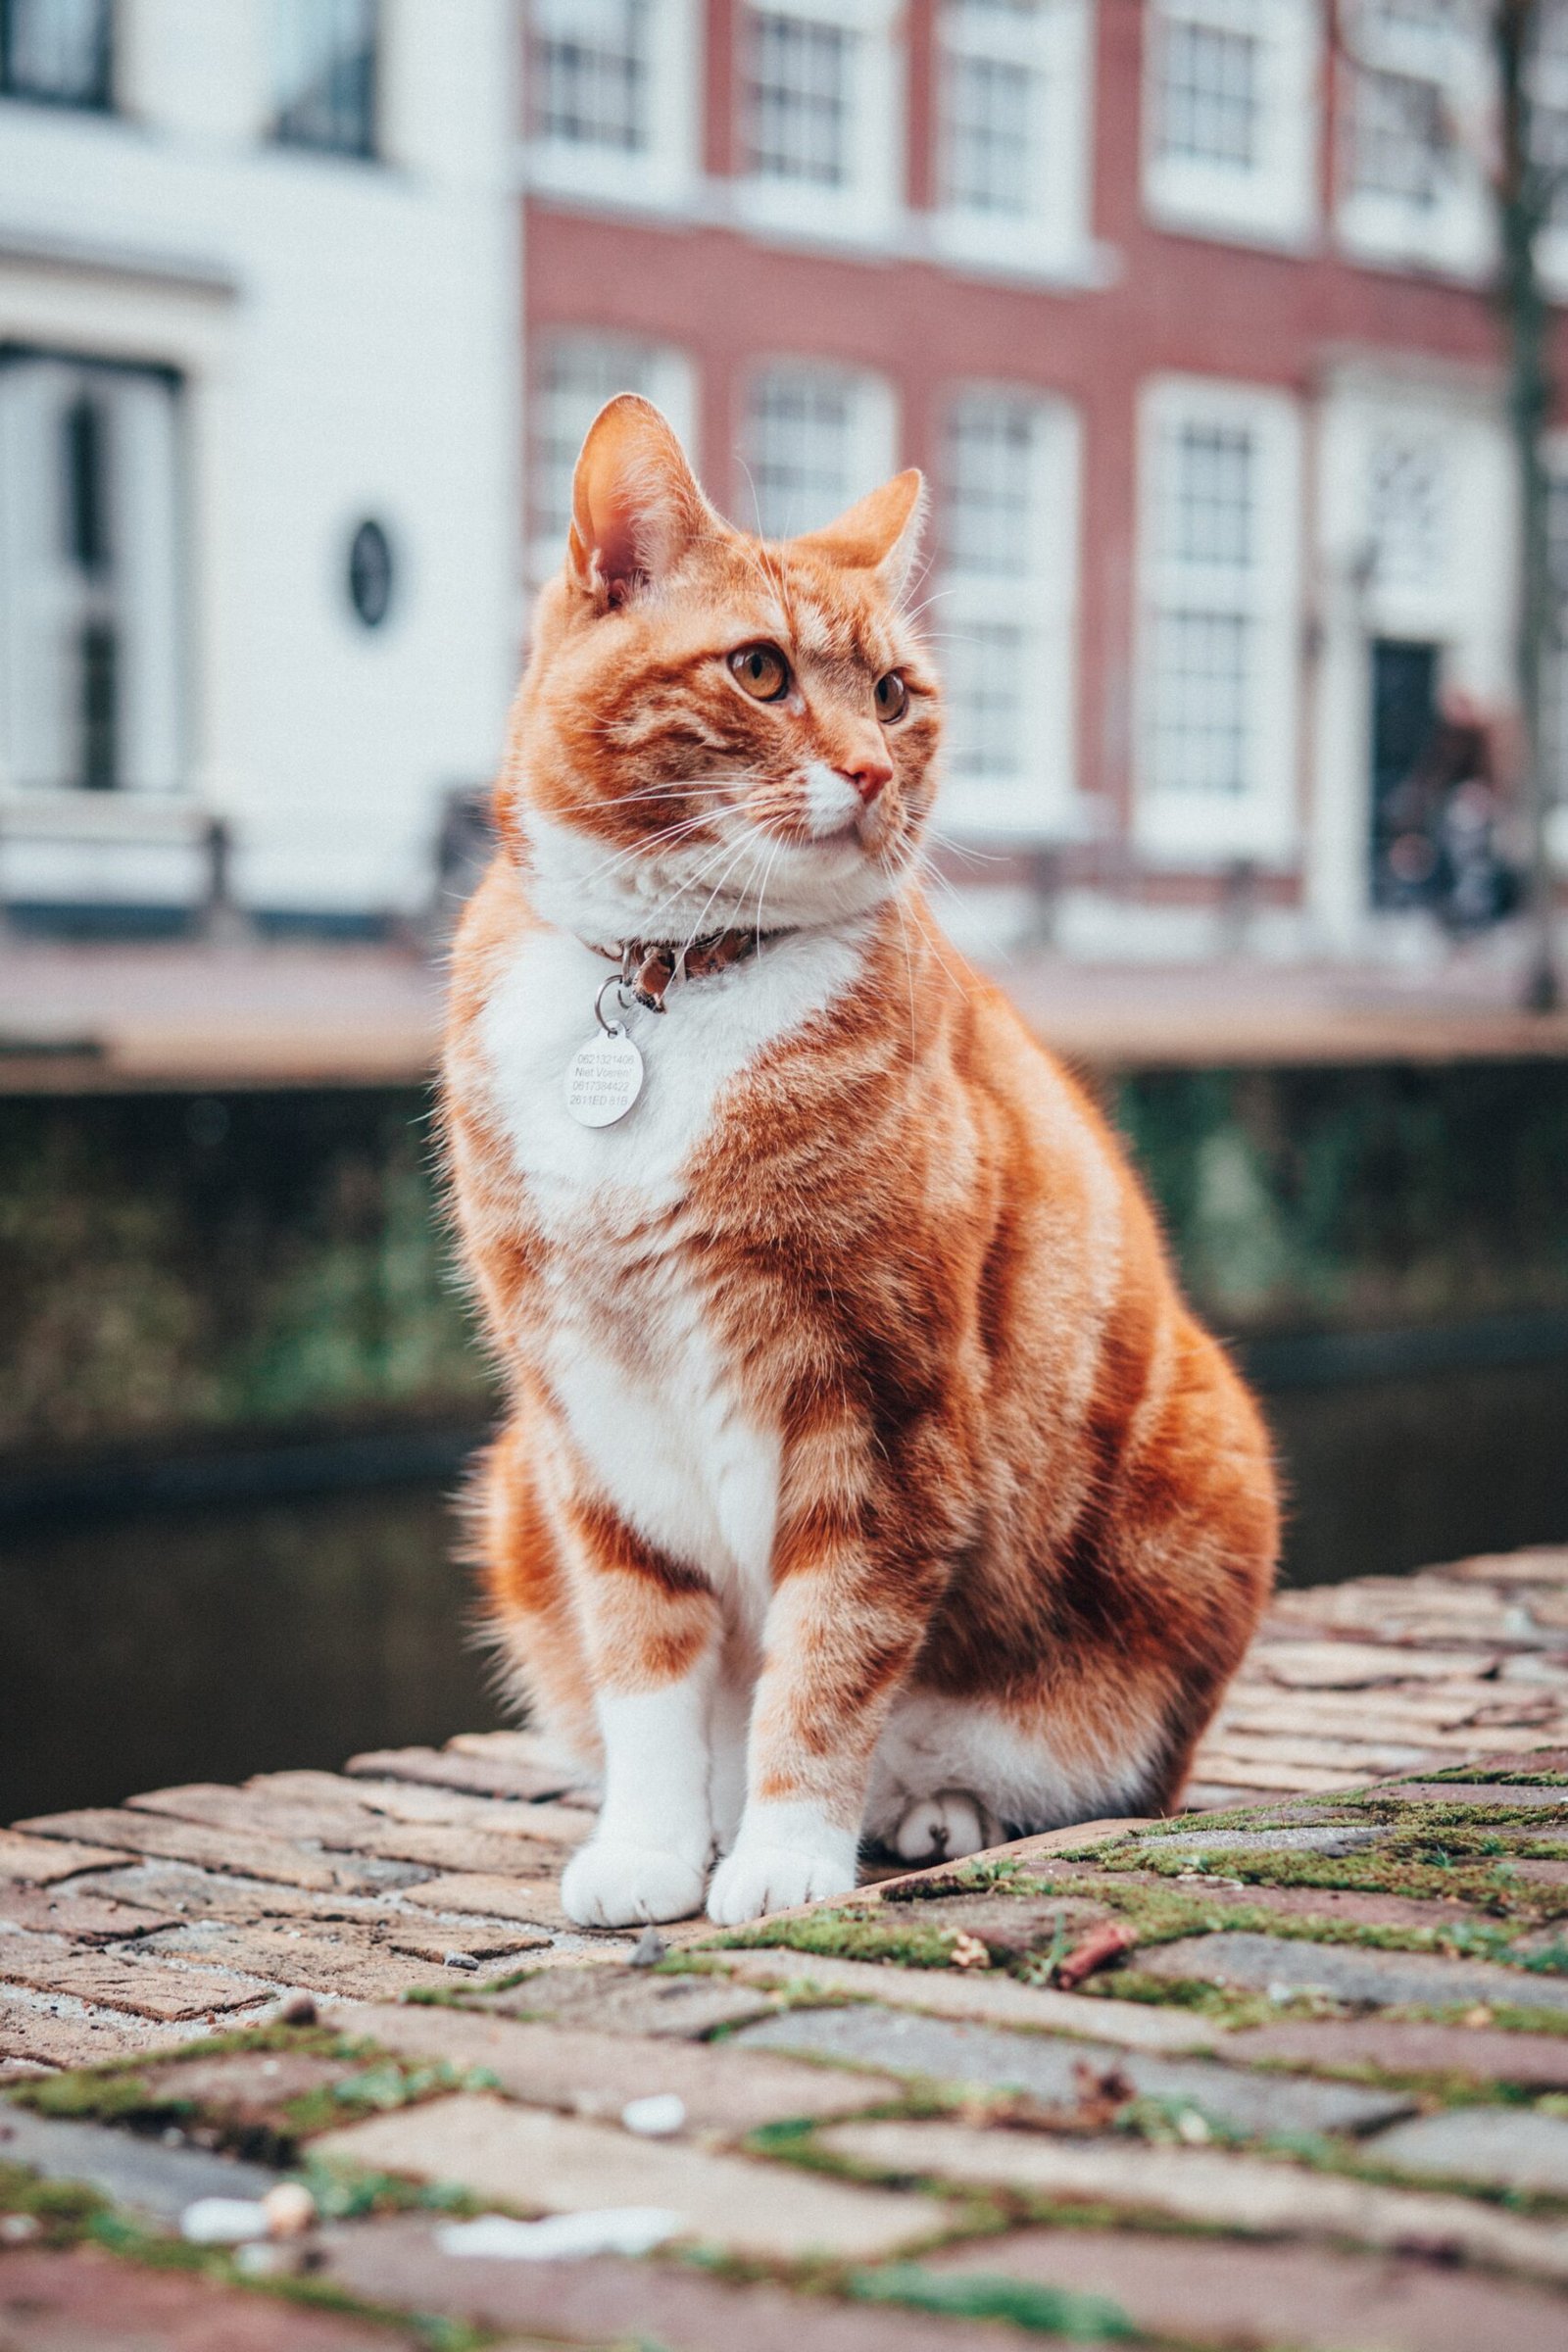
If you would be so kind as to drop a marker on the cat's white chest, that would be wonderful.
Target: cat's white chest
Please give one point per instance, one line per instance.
(631, 1353)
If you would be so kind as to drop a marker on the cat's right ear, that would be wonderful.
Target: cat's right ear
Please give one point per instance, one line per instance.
(635, 504)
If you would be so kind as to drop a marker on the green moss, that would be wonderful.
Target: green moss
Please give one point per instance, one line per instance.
(849, 1935)
(99, 2097)
(1419, 1868)
(62, 2209)
(988, 2295)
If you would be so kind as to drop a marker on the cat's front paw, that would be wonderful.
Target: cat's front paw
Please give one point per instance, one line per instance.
(757, 1878)
(611, 1882)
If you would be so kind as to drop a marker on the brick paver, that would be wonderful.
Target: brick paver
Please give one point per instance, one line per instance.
(1239, 2293)
(623, 2302)
(874, 2088)
(1061, 2074)
(84, 2302)
(555, 2163)
(1199, 2185)
(1261, 1963)
(724, 2089)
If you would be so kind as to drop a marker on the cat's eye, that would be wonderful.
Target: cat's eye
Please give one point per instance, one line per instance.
(761, 671)
(892, 699)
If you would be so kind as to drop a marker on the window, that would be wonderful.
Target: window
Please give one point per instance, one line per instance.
(1232, 116)
(573, 376)
(56, 52)
(1412, 185)
(818, 106)
(88, 590)
(590, 74)
(1012, 129)
(1216, 667)
(816, 439)
(1003, 625)
(326, 75)
(613, 88)
(1406, 510)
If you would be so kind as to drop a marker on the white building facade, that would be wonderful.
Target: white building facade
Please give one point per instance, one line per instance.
(259, 545)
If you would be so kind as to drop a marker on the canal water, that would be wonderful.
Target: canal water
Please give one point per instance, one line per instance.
(209, 1642)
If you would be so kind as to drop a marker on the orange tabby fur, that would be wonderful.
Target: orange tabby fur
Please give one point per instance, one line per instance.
(864, 1468)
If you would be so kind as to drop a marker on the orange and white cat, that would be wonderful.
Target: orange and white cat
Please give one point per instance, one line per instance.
(865, 1474)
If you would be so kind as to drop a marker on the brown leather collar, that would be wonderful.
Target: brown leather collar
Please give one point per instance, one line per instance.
(648, 966)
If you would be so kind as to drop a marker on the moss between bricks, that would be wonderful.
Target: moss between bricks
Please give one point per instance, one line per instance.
(69, 2214)
(127, 2092)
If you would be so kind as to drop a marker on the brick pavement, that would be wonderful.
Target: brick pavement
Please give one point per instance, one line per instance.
(1312, 2092)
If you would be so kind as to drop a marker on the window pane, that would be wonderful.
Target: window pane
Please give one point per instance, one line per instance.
(1398, 144)
(988, 109)
(1405, 501)
(798, 450)
(84, 482)
(1209, 100)
(798, 82)
(987, 523)
(589, 72)
(1209, 495)
(1199, 701)
(986, 695)
(573, 377)
(56, 50)
(89, 548)
(326, 75)
(990, 94)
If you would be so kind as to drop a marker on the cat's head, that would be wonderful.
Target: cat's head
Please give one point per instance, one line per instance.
(714, 730)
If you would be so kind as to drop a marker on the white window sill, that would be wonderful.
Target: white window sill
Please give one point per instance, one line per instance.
(809, 220)
(1224, 224)
(980, 247)
(1179, 831)
(607, 180)
(1019, 812)
(1384, 241)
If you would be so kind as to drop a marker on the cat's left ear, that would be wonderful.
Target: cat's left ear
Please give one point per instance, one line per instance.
(635, 504)
(880, 532)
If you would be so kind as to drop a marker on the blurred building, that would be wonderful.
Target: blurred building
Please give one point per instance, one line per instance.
(1186, 318)
(258, 446)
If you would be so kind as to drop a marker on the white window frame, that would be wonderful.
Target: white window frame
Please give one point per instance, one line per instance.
(660, 372)
(1058, 47)
(1039, 801)
(865, 207)
(1170, 823)
(1448, 55)
(870, 455)
(137, 600)
(1274, 200)
(665, 173)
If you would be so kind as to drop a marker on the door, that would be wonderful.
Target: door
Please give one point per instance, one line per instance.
(1404, 721)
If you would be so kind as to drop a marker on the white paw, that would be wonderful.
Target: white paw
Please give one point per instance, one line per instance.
(609, 1882)
(943, 1827)
(757, 1878)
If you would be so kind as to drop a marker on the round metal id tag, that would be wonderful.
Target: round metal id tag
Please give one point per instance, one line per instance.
(604, 1078)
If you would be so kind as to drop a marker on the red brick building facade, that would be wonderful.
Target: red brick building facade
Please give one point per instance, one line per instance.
(1185, 316)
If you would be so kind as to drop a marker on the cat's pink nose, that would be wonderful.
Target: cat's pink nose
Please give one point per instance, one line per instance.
(867, 777)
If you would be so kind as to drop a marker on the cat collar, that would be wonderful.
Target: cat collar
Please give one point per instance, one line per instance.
(649, 966)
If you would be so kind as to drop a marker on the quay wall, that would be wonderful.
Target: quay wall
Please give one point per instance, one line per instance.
(182, 1268)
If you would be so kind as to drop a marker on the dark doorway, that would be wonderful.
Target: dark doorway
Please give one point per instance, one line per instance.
(1404, 715)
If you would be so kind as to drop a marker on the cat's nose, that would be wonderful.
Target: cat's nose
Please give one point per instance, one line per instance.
(867, 777)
